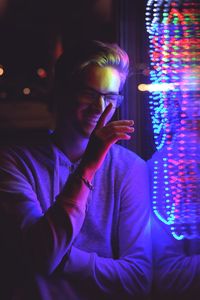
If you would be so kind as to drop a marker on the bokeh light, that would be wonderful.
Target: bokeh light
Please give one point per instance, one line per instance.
(174, 43)
(26, 91)
(1, 70)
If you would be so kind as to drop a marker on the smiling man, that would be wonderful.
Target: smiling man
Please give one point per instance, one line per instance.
(75, 208)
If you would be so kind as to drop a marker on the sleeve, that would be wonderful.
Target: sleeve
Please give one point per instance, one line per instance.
(129, 276)
(177, 272)
(41, 238)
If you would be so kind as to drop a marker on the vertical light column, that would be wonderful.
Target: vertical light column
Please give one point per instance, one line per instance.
(174, 48)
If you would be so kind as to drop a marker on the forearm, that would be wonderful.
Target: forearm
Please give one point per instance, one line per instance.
(73, 198)
(56, 230)
(128, 276)
(122, 278)
(44, 238)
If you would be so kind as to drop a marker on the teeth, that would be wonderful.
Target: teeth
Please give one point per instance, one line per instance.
(93, 119)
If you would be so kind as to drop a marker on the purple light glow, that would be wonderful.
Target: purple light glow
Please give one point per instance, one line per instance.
(174, 33)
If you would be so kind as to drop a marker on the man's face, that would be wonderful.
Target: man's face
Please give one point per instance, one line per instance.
(89, 101)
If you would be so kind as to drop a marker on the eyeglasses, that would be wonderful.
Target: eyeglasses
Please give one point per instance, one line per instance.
(91, 96)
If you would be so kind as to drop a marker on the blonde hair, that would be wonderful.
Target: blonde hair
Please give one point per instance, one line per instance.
(78, 57)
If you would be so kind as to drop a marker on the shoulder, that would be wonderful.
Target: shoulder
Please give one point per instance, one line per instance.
(25, 153)
(124, 162)
(124, 156)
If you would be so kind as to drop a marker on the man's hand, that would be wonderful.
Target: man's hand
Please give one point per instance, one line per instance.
(102, 138)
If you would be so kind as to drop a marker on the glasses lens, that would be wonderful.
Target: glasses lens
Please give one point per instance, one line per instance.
(92, 96)
(116, 100)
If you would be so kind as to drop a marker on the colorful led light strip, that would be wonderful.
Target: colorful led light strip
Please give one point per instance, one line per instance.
(174, 48)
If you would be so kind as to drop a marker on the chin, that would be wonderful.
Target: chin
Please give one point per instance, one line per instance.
(88, 127)
(87, 132)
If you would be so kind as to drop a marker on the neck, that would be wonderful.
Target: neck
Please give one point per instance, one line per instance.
(71, 143)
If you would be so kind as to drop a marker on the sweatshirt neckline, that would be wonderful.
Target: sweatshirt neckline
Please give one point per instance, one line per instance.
(63, 158)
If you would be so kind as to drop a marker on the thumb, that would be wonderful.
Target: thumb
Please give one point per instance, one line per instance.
(102, 120)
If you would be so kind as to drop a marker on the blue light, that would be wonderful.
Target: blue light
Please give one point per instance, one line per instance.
(174, 36)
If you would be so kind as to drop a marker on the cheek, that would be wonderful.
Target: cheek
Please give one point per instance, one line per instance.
(80, 111)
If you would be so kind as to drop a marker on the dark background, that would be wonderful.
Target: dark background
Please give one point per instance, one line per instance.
(33, 34)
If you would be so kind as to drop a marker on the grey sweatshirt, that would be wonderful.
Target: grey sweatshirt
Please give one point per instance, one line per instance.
(51, 252)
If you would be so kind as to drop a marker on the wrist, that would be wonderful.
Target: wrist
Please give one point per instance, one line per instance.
(85, 181)
(85, 172)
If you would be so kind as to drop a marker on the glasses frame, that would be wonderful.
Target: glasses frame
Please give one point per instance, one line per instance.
(93, 96)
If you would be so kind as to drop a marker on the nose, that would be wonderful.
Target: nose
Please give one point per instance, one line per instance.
(100, 104)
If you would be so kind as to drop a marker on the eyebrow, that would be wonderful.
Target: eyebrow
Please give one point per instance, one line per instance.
(95, 91)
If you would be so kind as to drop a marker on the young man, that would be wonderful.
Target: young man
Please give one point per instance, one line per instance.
(75, 208)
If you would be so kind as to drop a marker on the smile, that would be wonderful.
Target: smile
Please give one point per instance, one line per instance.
(92, 120)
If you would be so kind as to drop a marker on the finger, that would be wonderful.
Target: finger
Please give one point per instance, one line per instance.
(102, 120)
(124, 129)
(114, 138)
(122, 122)
(116, 129)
